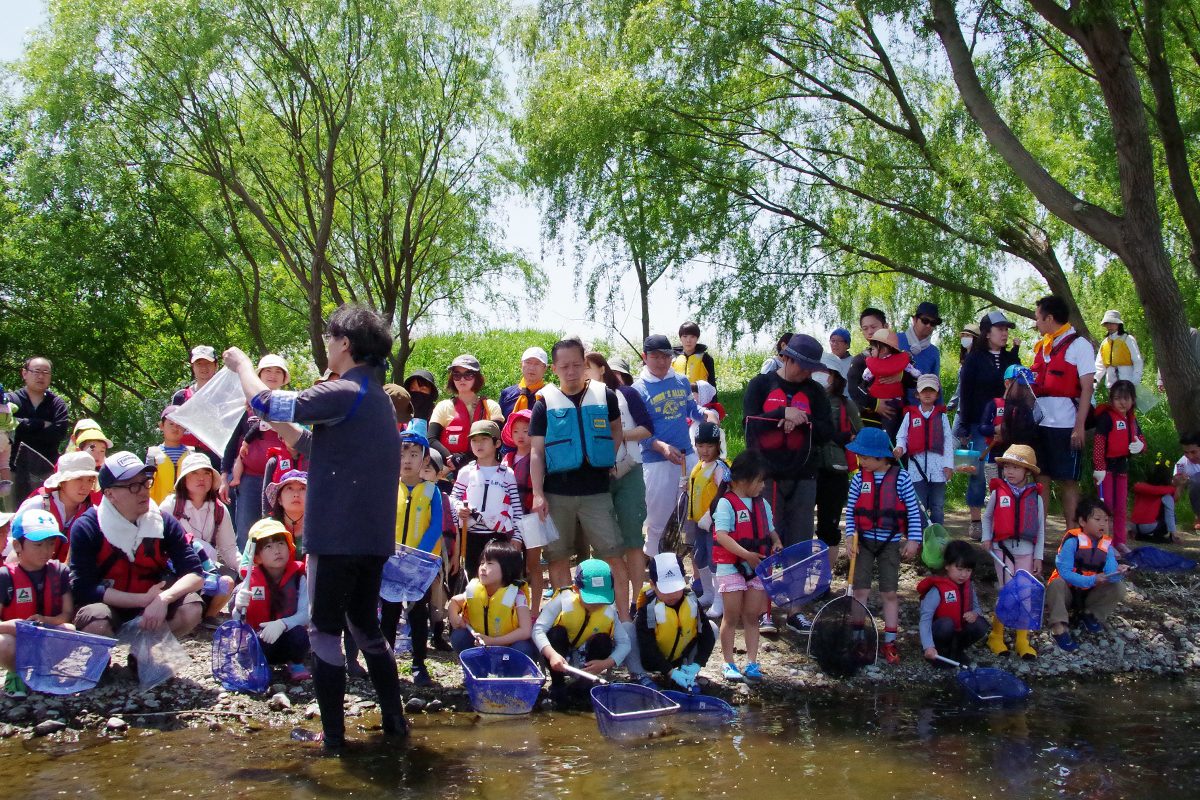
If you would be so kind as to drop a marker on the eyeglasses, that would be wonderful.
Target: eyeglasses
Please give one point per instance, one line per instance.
(38, 371)
(928, 321)
(137, 488)
(458, 376)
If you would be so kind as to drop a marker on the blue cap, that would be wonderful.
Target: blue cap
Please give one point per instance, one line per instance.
(805, 351)
(872, 442)
(413, 437)
(1012, 371)
(35, 525)
(842, 333)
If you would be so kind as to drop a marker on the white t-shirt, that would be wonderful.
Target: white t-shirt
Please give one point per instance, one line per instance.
(1059, 412)
(1186, 467)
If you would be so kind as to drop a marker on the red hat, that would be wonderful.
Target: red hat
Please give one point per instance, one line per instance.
(506, 434)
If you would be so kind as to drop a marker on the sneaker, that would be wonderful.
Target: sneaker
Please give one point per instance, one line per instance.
(1092, 624)
(731, 673)
(799, 623)
(977, 530)
(891, 654)
(766, 625)
(420, 676)
(1064, 641)
(716, 610)
(14, 686)
(296, 672)
(752, 672)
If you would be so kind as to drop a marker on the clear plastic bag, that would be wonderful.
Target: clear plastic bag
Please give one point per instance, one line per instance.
(212, 413)
(159, 654)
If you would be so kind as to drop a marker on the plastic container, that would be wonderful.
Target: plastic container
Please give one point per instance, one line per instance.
(967, 461)
(500, 680)
(796, 574)
(408, 575)
(238, 662)
(1020, 603)
(993, 685)
(57, 661)
(627, 711)
(214, 411)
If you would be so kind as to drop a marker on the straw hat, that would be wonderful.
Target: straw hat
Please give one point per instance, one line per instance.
(887, 336)
(1021, 455)
(71, 466)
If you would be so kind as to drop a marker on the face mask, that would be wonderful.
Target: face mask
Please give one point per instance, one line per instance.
(967, 341)
(822, 379)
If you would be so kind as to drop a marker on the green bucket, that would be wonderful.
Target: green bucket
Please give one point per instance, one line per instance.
(933, 547)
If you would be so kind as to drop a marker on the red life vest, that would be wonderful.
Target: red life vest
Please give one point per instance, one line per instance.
(1147, 500)
(285, 461)
(62, 547)
(456, 435)
(879, 507)
(520, 469)
(1014, 517)
(138, 576)
(956, 598)
(257, 451)
(259, 610)
(775, 438)
(25, 602)
(1055, 376)
(750, 529)
(1124, 431)
(925, 435)
(845, 427)
(997, 420)
(218, 512)
(1090, 555)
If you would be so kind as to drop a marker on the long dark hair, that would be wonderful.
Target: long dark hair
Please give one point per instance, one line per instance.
(1018, 426)
(748, 465)
(610, 377)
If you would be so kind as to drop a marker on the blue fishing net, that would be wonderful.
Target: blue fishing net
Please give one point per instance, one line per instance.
(238, 662)
(796, 574)
(500, 680)
(992, 685)
(626, 711)
(408, 575)
(58, 661)
(1159, 560)
(1020, 603)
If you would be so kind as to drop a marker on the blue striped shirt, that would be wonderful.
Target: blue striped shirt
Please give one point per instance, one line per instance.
(904, 489)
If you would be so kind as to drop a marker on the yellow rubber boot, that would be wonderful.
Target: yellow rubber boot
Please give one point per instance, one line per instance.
(995, 640)
(1022, 646)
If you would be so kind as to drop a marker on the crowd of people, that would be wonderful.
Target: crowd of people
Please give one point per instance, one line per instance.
(548, 508)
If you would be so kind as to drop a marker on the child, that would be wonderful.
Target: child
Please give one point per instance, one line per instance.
(486, 494)
(706, 478)
(280, 460)
(1118, 436)
(287, 507)
(836, 463)
(926, 439)
(494, 610)
(1011, 419)
(1187, 473)
(881, 512)
(1086, 574)
(1154, 505)
(1014, 528)
(166, 455)
(579, 626)
(744, 534)
(706, 397)
(515, 437)
(692, 359)
(432, 472)
(887, 360)
(420, 524)
(674, 637)
(37, 588)
(951, 619)
(274, 599)
(65, 495)
(95, 443)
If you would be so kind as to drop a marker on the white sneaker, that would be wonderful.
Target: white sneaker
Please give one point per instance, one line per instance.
(717, 609)
(766, 625)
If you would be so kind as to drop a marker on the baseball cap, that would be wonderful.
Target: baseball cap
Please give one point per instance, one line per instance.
(466, 361)
(35, 525)
(594, 580)
(667, 573)
(92, 435)
(485, 427)
(273, 360)
(995, 319)
(805, 351)
(413, 437)
(535, 352)
(708, 433)
(929, 381)
(619, 364)
(656, 343)
(169, 410)
(121, 466)
(436, 459)
(842, 334)
(203, 351)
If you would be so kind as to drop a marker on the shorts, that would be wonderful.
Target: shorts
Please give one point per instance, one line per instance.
(889, 565)
(1055, 456)
(629, 504)
(736, 582)
(116, 616)
(595, 515)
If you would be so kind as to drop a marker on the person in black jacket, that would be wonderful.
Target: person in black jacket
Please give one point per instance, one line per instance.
(41, 415)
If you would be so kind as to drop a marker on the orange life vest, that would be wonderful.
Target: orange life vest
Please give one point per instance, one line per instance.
(259, 610)
(138, 576)
(456, 435)
(750, 529)
(1090, 555)
(26, 602)
(1015, 516)
(925, 435)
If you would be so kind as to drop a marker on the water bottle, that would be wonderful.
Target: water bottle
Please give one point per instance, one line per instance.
(403, 636)
(217, 584)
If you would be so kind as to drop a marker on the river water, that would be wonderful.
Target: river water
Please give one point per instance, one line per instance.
(1103, 739)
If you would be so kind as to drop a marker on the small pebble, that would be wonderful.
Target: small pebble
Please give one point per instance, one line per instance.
(415, 705)
(116, 724)
(279, 702)
(49, 726)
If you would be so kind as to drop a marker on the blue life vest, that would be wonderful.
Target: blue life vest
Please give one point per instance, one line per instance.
(575, 434)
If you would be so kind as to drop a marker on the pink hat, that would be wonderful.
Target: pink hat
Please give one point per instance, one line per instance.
(506, 434)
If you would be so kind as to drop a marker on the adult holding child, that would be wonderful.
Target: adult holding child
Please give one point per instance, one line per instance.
(917, 341)
(350, 506)
(452, 418)
(874, 412)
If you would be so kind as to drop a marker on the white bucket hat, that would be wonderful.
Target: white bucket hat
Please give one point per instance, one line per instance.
(192, 462)
(1112, 315)
(71, 466)
(272, 360)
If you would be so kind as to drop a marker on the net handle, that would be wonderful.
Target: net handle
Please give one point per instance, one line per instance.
(853, 558)
(958, 664)
(583, 674)
(1000, 561)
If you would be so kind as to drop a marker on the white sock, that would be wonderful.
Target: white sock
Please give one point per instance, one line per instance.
(705, 574)
(717, 609)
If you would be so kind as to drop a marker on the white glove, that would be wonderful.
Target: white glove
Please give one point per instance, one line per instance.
(241, 600)
(1098, 476)
(155, 456)
(1136, 446)
(270, 631)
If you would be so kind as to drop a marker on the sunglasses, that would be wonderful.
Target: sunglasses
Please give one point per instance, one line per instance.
(458, 376)
(928, 321)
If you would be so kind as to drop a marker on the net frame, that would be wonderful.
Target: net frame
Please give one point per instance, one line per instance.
(237, 659)
(831, 641)
(1021, 602)
(58, 661)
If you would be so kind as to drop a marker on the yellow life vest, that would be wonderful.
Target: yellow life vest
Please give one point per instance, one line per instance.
(1115, 352)
(582, 624)
(702, 488)
(414, 517)
(673, 629)
(495, 615)
(164, 479)
(692, 367)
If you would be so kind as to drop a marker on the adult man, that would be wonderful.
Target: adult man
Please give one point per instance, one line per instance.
(41, 415)
(917, 341)
(874, 413)
(204, 366)
(788, 419)
(573, 434)
(121, 551)
(668, 397)
(350, 506)
(1065, 365)
(533, 377)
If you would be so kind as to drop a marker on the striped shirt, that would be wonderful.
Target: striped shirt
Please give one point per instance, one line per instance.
(904, 489)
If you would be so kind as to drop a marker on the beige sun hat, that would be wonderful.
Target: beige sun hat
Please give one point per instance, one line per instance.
(192, 462)
(71, 466)
(1021, 455)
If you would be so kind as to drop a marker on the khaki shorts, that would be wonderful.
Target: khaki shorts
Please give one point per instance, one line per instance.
(888, 561)
(594, 513)
(95, 612)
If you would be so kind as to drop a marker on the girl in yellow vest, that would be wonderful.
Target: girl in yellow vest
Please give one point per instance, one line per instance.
(705, 479)
(1118, 357)
(494, 609)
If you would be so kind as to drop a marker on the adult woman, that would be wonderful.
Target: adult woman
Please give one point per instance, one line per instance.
(422, 393)
(258, 438)
(627, 487)
(451, 420)
(1118, 357)
(981, 380)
